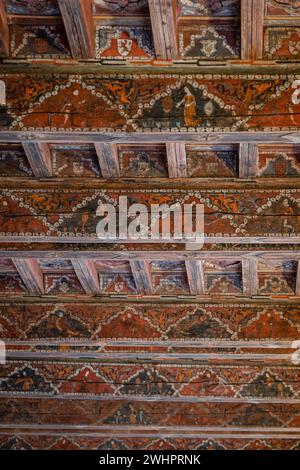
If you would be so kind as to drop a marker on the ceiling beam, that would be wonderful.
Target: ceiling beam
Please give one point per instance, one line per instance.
(246, 29)
(249, 276)
(4, 31)
(79, 25)
(297, 291)
(87, 274)
(31, 274)
(248, 160)
(252, 22)
(153, 137)
(39, 157)
(164, 24)
(108, 159)
(176, 156)
(195, 275)
(161, 255)
(142, 276)
(258, 13)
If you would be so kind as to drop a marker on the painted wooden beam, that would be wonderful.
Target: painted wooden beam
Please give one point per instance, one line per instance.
(31, 274)
(195, 275)
(176, 156)
(250, 277)
(248, 160)
(79, 24)
(87, 274)
(297, 291)
(4, 31)
(142, 276)
(108, 159)
(39, 157)
(164, 25)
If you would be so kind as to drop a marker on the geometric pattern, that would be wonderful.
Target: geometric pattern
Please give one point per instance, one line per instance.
(141, 321)
(133, 103)
(227, 213)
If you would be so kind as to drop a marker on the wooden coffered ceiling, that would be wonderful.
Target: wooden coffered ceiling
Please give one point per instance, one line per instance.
(157, 344)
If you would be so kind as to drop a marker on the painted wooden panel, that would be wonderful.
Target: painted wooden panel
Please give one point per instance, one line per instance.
(282, 43)
(32, 7)
(33, 41)
(282, 7)
(209, 8)
(66, 283)
(13, 161)
(74, 161)
(279, 161)
(119, 380)
(212, 162)
(73, 442)
(223, 277)
(11, 283)
(143, 161)
(124, 42)
(68, 213)
(153, 322)
(210, 42)
(128, 7)
(114, 413)
(277, 278)
(136, 103)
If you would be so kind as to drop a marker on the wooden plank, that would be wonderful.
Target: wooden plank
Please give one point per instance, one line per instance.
(87, 274)
(248, 160)
(122, 254)
(4, 31)
(164, 25)
(79, 24)
(246, 29)
(250, 278)
(252, 22)
(39, 157)
(258, 7)
(156, 431)
(195, 274)
(108, 159)
(297, 291)
(176, 155)
(153, 137)
(210, 239)
(140, 357)
(142, 276)
(31, 274)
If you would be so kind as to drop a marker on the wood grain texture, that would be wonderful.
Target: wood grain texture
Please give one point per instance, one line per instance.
(108, 159)
(195, 276)
(176, 155)
(31, 275)
(78, 20)
(86, 272)
(39, 158)
(142, 276)
(4, 31)
(163, 22)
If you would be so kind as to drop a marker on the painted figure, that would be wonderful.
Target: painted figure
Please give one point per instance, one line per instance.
(190, 111)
